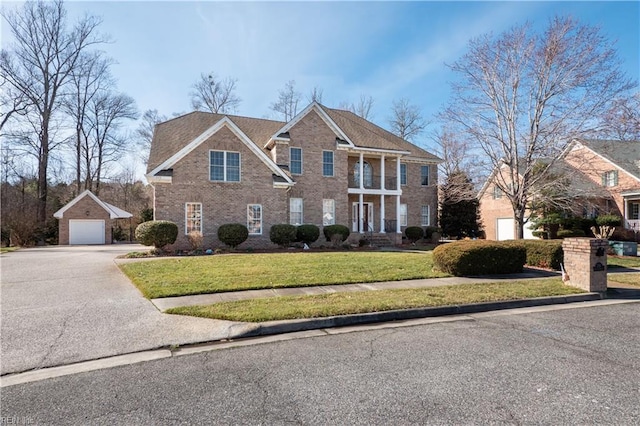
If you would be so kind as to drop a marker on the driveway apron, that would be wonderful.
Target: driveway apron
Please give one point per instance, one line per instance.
(65, 304)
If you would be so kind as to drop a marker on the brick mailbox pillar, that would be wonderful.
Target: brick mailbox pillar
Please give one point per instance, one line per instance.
(585, 261)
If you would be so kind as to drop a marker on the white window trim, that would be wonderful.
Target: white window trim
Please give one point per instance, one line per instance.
(301, 161)
(186, 218)
(422, 216)
(333, 163)
(301, 210)
(248, 210)
(406, 174)
(333, 211)
(404, 216)
(224, 166)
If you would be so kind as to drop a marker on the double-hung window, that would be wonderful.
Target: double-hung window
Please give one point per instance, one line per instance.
(295, 161)
(327, 163)
(254, 219)
(192, 218)
(224, 166)
(425, 219)
(424, 175)
(403, 215)
(610, 178)
(403, 174)
(328, 212)
(497, 192)
(295, 211)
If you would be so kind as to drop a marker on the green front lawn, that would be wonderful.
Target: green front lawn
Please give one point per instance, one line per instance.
(624, 278)
(7, 249)
(220, 273)
(623, 262)
(292, 307)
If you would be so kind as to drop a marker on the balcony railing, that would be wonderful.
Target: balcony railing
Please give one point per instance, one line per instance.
(373, 182)
(632, 224)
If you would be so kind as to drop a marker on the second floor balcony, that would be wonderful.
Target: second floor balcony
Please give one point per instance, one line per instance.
(373, 182)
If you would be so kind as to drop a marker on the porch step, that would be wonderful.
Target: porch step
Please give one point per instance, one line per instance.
(380, 240)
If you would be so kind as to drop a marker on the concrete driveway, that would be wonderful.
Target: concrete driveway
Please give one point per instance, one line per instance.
(65, 304)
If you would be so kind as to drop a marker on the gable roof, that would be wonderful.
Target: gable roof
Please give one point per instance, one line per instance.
(624, 154)
(114, 212)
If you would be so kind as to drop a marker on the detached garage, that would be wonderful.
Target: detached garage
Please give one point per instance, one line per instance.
(87, 220)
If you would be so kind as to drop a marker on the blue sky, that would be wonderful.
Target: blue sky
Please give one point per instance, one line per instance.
(387, 50)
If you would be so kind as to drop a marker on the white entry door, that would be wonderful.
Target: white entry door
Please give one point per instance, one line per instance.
(86, 231)
(367, 215)
(505, 229)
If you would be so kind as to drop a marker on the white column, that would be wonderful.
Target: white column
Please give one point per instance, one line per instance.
(382, 214)
(398, 230)
(382, 183)
(361, 174)
(360, 212)
(398, 174)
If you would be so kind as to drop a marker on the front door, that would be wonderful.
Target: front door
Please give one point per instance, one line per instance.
(367, 216)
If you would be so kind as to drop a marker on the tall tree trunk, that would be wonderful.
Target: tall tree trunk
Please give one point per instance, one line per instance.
(43, 164)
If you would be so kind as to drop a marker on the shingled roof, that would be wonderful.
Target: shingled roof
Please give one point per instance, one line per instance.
(624, 154)
(172, 135)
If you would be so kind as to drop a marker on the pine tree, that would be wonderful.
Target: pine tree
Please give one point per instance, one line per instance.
(459, 216)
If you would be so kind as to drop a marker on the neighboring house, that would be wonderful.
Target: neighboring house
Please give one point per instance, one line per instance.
(603, 176)
(87, 220)
(324, 167)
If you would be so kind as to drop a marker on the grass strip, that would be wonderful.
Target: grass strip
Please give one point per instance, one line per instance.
(624, 278)
(221, 273)
(8, 249)
(623, 262)
(293, 307)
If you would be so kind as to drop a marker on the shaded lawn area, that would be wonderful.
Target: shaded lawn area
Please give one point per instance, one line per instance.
(623, 261)
(293, 307)
(8, 249)
(630, 278)
(220, 273)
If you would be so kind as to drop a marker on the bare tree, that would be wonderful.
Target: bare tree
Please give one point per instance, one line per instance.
(215, 94)
(522, 96)
(288, 99)
(315, 95)
(38, 66)
(145, 129)
(622, 120)
(362, 108)
(407, 121)
(12, 102)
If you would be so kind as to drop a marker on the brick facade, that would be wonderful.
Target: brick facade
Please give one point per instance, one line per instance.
(585, 262)
(85, 208)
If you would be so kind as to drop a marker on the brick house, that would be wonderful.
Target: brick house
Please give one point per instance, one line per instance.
(325, 166)
(604, 178)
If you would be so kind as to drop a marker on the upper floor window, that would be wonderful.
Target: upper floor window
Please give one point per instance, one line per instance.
(295, 161)
(224, 166)
(425, 217)
(424, 175)
(254, 219)
(403, 174)
(192, 217)
(367, 174)
(610, 178)
(295, 211)
(327, 163)
(497, 192)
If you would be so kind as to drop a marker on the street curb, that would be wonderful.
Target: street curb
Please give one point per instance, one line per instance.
(289, 326)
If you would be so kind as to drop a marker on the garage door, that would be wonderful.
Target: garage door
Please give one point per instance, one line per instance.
(86, 231)
(505, 229)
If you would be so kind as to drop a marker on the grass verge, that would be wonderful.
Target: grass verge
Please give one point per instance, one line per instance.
(623, 262)
(624, 278)
(214, 274)
(8, 249)
(293, 307)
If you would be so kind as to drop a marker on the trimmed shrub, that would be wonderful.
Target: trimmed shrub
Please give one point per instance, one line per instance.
(541, 253)
(157, 233)
(608, 220)
(307, 233)
(414, 233)
(233, 234)
(479, 257)
(283, 234)
(567, 233)
(430, 230)
(336, 230)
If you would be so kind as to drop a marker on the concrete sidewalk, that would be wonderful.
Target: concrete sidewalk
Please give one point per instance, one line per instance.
(165, 303)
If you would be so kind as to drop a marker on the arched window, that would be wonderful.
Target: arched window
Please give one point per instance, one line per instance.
(367, 173)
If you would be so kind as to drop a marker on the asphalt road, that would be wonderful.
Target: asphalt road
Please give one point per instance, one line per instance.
(65, 304)
(564, 365)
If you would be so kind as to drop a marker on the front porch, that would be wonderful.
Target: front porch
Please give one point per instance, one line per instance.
(631, 218)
